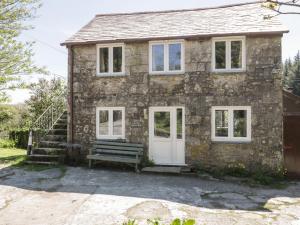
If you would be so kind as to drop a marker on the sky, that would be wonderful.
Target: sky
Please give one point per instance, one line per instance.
(59, 19)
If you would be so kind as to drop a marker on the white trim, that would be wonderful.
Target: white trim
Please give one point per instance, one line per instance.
(228, 41)
(166, 57)
(110, 59)
(110, 123)
(230, 137)
(173, 130)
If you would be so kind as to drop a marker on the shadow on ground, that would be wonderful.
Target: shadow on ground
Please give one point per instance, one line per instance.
(193, 191)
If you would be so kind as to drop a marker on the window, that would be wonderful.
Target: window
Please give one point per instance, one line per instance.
(110, 122)
(231, 123)
(229, 54)
(166, 57)
(110, 59)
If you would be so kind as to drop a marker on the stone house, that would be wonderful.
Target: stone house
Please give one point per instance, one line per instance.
(196, 86)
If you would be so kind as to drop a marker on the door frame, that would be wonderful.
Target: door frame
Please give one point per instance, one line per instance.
(152, 109)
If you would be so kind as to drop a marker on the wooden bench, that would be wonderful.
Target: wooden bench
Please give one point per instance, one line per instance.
(116, 151)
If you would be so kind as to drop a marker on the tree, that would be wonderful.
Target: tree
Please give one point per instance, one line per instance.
(43, 94)
(282, 7)
(291, 72)
(15, 56)
(13, 117)
(296, 77)
(287, 73)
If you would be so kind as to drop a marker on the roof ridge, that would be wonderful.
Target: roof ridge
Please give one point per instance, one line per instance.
(180, 10)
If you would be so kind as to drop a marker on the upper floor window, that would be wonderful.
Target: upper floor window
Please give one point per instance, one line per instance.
(166, 57)
(110, 59)
(228, 54)
(231, 123)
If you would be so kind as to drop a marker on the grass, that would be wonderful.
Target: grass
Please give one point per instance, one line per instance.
(16, 157)
(12, 156)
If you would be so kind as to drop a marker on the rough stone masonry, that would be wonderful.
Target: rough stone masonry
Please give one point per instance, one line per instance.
(197, 90)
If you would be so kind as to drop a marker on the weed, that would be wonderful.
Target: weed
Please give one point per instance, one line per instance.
(157, 222)
(130, 222)
(252, 178)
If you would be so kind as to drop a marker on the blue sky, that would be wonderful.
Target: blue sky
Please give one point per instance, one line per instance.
(59, 19)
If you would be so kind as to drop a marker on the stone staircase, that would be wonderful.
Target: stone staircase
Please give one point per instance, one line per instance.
(51, 149)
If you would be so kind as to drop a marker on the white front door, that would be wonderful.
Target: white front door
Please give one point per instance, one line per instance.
(166, 135)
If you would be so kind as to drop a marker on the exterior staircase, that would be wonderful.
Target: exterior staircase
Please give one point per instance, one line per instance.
(51, 150)
(47, 140)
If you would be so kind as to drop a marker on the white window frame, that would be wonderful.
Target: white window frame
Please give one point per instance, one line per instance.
(230, 137)
(110, 123)
(228, 41)
(166, 57)
(110, 59)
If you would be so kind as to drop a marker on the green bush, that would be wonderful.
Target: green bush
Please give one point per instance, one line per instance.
(20, 137)
(157, 222)
(6, 143)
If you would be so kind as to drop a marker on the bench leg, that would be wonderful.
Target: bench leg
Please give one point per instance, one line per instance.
(137, 168)
(90, 163)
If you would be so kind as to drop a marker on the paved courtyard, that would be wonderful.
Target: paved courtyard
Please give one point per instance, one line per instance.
(89, 197)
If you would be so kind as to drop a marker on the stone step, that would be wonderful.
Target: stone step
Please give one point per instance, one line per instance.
(163, 169)
(41, 163)
(168, 169)
(62, 120)
(46, 158)
(52, 144)
(51, 137)
(58, 131)
(49, 151)
(60, 126)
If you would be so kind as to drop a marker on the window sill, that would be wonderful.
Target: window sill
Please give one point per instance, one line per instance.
(231, 141)
(167, 73)
(111, 75)
(227, 71)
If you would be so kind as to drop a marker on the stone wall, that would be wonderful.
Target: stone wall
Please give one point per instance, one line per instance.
(197, 89)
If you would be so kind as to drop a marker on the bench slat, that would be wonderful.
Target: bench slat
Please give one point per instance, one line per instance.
(109, 151)
(113, 158)
(112, 140)
(122, 148)
(99, 142)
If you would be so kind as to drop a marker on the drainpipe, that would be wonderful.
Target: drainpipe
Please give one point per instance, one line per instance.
(70, 95)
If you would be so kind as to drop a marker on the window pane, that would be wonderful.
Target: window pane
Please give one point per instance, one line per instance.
(162, 124)
(236, 54)
(175, 57)
(179, 123)
(117, 59)
(220, 54)
(158, 58)
(103, 122)
(221, 123)
(117, 122)
(240, 123)
(103, 60)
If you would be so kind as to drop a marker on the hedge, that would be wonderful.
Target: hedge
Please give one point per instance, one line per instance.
(20, 137)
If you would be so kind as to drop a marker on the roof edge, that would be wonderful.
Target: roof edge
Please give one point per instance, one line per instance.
(66, 43)
(180, 10)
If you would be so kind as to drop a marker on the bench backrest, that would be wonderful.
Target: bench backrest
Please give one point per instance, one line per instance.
(117, 147)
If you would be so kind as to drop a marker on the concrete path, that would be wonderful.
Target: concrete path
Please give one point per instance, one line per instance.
(88, 197)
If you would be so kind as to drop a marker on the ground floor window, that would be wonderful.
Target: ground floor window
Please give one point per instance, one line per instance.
(110, 122)
(231, 123)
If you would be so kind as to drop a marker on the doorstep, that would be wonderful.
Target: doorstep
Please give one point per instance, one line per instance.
(166, 169)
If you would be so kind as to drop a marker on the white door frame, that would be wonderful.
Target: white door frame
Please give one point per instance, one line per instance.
(173, 138)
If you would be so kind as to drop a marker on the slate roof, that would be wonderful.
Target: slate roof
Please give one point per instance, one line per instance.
(246, 18)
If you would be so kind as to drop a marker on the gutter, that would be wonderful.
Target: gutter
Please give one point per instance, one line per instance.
(187, 37)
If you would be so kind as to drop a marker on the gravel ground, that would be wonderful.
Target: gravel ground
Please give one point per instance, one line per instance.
(89, 197)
